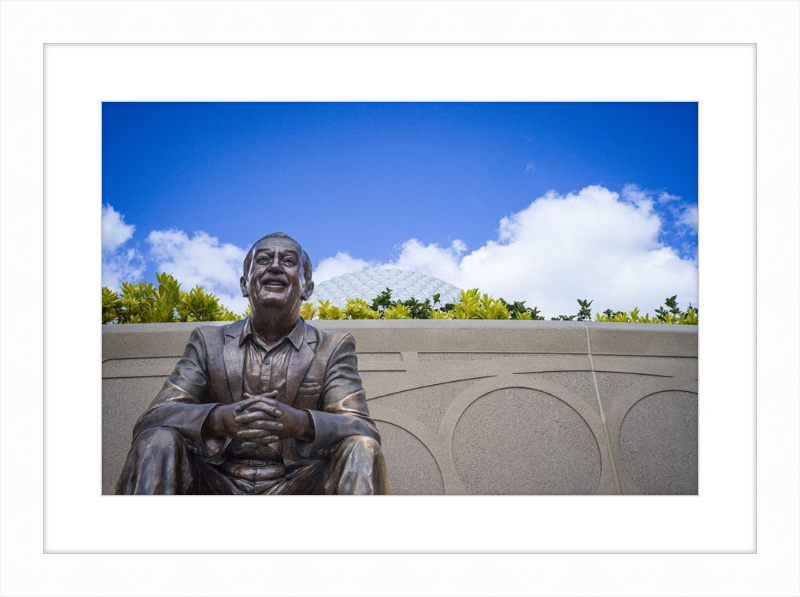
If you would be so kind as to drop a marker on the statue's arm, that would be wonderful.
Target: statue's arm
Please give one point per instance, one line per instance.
(181, 404)
(344, 402)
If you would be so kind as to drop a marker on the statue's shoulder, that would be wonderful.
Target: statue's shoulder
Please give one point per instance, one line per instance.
(329, 341)
(216, 333)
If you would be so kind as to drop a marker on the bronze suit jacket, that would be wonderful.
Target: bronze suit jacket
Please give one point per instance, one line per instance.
(322, 378)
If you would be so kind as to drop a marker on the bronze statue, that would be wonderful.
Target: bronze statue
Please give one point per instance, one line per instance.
(267, 405)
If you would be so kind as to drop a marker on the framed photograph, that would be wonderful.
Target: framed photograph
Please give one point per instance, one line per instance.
(419, 227)
(741, 73)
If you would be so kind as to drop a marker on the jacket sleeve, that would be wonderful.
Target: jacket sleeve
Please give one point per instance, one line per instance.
(181, 403)
(344, 403)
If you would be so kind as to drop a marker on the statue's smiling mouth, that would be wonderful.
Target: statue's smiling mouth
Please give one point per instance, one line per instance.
(274, 283)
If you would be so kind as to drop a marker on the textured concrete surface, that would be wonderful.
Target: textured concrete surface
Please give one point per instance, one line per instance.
(124, 399)
(453, 398)
(521, 441)
(658, 443)
(578, 382)
(646, 339)
(412, 468)
(427, 404)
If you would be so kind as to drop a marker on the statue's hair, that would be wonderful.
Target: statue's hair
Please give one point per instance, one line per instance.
(303, 255)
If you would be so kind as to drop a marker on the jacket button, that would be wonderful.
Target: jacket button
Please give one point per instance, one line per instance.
(263, 388)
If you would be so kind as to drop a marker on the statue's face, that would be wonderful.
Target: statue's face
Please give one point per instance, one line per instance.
(275, 279)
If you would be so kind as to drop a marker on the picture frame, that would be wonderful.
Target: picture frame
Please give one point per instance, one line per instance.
(83, 68)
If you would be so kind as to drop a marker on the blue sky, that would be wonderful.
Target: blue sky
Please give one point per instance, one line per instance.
(544, 202)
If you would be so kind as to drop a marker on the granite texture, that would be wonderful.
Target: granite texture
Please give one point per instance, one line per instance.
(124, 399)
(428, 404)
(412, 468)
(658, 443)
(521, 441)
(578, 382)
(483, 406)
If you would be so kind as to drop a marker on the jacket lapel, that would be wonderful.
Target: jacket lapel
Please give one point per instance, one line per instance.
(299, 363)
(233, 355)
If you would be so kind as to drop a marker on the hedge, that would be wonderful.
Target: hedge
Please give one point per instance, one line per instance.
(145, 303)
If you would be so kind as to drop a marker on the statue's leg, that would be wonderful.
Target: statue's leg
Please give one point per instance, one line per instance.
(158, 463)
(357, 467)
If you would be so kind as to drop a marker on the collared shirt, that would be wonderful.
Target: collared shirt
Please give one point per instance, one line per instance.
(266, 368)
(266, 364)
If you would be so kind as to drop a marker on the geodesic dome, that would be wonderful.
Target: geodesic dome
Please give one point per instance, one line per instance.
(368, 284)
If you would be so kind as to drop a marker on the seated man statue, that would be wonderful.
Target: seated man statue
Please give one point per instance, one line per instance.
(267, 405)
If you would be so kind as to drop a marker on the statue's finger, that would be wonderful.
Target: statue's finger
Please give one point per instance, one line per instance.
(251, 433)
(266, 408)
(245, 403)
(256, 444)
(248, 417)
(265, 424)
(266, 395)
(271, 400)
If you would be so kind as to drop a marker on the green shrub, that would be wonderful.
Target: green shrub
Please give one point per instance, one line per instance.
(326, 310)
(111, 305)
(398, 311)
(671, 315)
(359, 309)
(307, 311)
(144, 303)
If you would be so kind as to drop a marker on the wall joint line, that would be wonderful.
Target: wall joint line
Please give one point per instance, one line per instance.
(602, 413)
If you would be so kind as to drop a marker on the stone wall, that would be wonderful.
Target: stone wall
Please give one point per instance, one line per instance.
(483, 407)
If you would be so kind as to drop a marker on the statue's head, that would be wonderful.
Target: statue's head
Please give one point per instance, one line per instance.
(277, 275)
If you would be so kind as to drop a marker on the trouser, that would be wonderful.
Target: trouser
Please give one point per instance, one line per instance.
(160, 463)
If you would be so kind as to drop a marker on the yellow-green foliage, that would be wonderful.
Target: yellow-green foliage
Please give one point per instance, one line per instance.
(145, 303)
(360, 309)
(473, 305)
(307, 311)
(111, 305)
(468, 305)
(398, 311)
(326, 310)
(491, 308)
(199, 305)
(687, 318)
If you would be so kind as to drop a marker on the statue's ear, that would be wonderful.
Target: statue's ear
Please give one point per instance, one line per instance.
(243, 285)
(309, 290)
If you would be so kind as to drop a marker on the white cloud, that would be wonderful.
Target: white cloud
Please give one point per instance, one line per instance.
(530, 167)
(593, 244)
(436, 261)
(200, 260)
(115, 231)
(590, 244)
(338, 265)
(120, 264)
(666, 197)
(689, 218)
(441, 262)
(639, 197)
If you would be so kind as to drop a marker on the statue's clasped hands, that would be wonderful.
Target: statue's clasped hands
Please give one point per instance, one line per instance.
(260, 420)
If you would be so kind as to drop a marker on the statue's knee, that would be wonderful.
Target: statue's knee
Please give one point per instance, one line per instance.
(160, 438)
(359, 468)
(363, 444)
